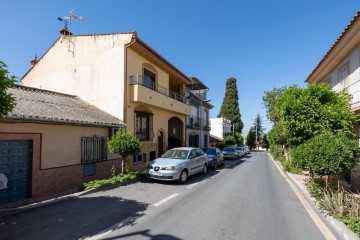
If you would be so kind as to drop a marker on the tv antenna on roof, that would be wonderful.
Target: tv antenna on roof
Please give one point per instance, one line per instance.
(67, 19)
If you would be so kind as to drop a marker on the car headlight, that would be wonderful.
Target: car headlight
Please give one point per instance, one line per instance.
(172, 168)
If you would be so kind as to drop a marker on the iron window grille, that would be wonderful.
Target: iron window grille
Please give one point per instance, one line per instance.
(93, 149)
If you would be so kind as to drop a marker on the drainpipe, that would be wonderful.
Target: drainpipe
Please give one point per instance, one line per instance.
(133, 40)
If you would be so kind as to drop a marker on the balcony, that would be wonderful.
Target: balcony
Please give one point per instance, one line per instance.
(354, 91)
(149, 93)
(195, 122)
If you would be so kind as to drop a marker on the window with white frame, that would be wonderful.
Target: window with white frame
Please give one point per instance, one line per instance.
(343, 76)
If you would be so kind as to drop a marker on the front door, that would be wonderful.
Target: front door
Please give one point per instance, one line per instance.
(160, 144)
(15, 164)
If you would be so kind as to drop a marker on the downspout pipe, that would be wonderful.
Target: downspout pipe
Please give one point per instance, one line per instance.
(133, 40)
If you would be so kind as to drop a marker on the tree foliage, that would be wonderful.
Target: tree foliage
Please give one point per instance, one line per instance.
(230, 105)
(327, 154)
(265, 142)
(299, 114)
(7, 101)
(239, 138)
(230, 140)
(250, 138)
(124, 144)
(259, 130)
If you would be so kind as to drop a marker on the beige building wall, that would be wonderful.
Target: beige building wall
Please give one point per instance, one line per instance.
(56, 139)
(53, 169)
(89, 66)
(161, 116)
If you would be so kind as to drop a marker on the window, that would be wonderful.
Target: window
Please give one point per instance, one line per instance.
(143, 125)
(149, 79)
(141, 158)
(343, 75)
(205, 140)
(93, 149)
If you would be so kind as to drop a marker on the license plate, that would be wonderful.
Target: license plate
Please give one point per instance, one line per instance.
(156, 174)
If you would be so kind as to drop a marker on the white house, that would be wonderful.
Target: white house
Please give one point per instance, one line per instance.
(340, 68)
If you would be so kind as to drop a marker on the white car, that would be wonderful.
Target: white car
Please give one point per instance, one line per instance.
(178, 164)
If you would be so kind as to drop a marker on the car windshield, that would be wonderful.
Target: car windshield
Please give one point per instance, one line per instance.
(239, 149)
(210, 151)
(229, 149)
(176, 154)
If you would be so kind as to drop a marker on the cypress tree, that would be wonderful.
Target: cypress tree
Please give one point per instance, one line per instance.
(230, 105)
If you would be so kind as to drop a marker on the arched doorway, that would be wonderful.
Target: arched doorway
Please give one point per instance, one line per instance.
(160, 143)
(175, 132)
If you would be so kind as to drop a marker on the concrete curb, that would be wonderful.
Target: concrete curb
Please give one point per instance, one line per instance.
(340, 227)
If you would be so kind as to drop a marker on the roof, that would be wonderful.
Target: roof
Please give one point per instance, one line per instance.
(137, 39)
(336, 43)
(39, 105)
(73, 35)
(215, 139)
(196, 84)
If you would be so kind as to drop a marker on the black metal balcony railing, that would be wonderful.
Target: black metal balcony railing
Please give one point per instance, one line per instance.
(138, 79)
(199, 94)
(197, 123)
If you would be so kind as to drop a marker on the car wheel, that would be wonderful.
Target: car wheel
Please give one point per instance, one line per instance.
(223, 163)
(215, 165)
(183, 176)
(205, 169)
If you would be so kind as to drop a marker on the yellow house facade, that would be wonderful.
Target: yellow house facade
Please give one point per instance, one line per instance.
(123, 76)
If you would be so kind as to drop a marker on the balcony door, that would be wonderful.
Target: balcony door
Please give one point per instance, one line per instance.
(149, 79)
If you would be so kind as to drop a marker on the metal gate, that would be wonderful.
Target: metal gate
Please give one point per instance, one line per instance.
(15, 164)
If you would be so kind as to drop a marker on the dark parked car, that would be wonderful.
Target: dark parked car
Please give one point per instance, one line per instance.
(215, 157)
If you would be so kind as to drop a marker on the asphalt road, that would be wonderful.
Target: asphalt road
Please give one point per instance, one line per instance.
(248, 199)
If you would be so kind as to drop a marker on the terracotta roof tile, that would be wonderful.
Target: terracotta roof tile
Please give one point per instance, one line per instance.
(342, 35)
(34, 104)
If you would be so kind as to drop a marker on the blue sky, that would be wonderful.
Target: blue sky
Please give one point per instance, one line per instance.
(263, 44)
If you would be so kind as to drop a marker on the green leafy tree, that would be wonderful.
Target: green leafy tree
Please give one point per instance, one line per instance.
(229, 140)
(124, 144)
(327, 154)
(7, 101)
(230, 105)
(307, 112)
(271, 101)
(265, 142)
(221, 145)
(250, 138)
(239, 138)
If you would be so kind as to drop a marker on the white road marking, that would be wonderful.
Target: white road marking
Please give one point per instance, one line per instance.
(165, 200)
(192, 185)
(318, 221)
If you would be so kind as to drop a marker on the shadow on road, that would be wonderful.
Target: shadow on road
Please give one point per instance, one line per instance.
(144, 233)
(232, 164)
(72, 219)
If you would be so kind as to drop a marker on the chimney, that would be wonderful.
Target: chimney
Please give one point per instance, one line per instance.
(34, 61)
(65, 32)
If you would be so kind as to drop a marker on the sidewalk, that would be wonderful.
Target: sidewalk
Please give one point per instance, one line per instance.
(300, 182)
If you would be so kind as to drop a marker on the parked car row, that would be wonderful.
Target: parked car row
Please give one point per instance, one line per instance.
(178, 164)
(235, 152)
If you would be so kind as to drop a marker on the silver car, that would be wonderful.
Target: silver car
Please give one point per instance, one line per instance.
(230, 152)
(178, 164)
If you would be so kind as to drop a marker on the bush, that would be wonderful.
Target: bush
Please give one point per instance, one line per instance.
(276, 151)
(327, 154)
(221, 145)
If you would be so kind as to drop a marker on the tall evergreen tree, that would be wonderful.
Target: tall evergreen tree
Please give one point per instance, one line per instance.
(230, 105)
(259, 130)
